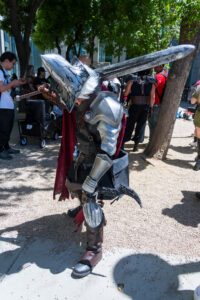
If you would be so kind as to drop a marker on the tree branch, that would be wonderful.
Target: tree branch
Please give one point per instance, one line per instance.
(14, 20)
(30, 19)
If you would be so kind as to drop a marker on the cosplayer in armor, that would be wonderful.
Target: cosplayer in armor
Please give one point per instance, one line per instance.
(98, 169)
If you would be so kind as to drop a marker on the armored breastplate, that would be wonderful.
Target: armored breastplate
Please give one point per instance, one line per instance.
(88, 138)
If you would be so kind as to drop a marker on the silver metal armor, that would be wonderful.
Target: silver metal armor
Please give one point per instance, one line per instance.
(101, 165)
(73, 81)
(107, 113)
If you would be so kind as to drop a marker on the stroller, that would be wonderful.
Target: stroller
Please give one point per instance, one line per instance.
(39, 123)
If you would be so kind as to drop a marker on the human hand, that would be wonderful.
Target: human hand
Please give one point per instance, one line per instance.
(44, 88)
(22, 81)
(16, 82)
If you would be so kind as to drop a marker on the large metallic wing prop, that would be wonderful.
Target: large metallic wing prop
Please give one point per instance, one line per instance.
(145, 62)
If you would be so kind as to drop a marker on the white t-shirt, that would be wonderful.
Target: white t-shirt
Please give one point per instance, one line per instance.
(6, 100)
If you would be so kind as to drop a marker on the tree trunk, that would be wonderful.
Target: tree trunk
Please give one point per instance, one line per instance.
(58, 45)
(159, 144)
(69, 47)
(22, 38)
(24, 56)
(91, 48)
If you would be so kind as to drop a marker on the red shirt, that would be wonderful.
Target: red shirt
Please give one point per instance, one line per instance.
(160, 86)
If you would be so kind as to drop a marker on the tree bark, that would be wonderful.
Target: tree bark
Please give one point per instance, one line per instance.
(91, 49)
(159, 144)
(58, 45)
(22, 38)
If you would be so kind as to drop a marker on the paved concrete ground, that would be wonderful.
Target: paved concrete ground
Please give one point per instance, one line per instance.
(35, 268)
(34, 265)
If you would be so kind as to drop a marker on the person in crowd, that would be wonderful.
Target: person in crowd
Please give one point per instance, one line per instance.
(7, 62)
(196, 100)
(92, 130)
(39, 81)
(85, 59)
(193, 143)
(30, 77)
(161, 77)
(91, 164)
(40, 78)
(28, 87)
(142, 94)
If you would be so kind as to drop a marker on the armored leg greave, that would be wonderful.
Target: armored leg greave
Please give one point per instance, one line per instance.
(197, 165)
(93, 252)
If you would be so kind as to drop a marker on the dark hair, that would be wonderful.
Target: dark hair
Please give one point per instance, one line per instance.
(8, 55)
(14, 76)
(144, 72)
(30, 67)
(40, 70)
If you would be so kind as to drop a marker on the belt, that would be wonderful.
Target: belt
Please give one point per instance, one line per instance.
(156, 105)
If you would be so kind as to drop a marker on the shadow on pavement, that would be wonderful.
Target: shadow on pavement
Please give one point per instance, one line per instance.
(136, 160)
(183, 149)
(185, 164)
(49, 242)
(187, 212)
(147, 276)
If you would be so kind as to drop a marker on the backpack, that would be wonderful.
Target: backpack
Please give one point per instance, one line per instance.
(161, 97)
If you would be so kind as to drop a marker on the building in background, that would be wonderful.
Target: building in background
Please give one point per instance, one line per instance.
(7, 43)
(100, 57)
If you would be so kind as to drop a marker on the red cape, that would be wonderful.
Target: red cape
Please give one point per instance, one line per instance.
(65, 155)
(67, 149)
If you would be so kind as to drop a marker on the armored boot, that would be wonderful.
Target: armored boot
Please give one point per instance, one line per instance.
(197, 165)
(93, 252)
(73, 212)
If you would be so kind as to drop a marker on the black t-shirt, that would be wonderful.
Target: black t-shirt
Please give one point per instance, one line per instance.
(39, 81)
(141, 89)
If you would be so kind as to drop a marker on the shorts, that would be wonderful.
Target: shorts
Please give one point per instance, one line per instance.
(197, 118)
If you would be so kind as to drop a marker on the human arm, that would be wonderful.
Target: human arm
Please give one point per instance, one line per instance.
(152, 96)
(128, 88)
(127, 92)
(7, 87)
(49, 95)
(196, 96)
(193, 100)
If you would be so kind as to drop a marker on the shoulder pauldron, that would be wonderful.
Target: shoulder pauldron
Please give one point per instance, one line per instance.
(107, 113)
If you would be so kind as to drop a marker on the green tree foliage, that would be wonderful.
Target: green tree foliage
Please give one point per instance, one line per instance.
(139, 28)
(19, 20)
(69, 21)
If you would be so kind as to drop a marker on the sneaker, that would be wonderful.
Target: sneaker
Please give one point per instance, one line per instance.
(5, 155)
(198, 195)
(135, 148)
(193, 144)
(197, 166)
(13, 151)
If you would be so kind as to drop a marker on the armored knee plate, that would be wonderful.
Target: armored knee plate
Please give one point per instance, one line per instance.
(93, 213)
